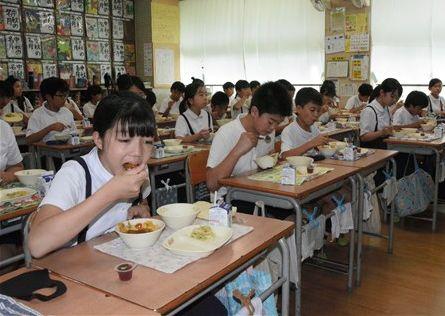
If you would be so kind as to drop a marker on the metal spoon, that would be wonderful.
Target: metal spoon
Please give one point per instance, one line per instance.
(266, 138)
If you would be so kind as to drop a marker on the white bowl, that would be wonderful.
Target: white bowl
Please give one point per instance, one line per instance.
(174, 149)
(29, 177)
(266, 162)
(427, 127)
(178, 215)
(300, 161)
(172, 142)
(142, 240)
(62, 136)
(327, 151)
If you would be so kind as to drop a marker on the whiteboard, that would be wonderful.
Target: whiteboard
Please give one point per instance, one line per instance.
(164, 66)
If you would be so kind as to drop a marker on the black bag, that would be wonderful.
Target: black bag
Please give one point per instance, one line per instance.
(24, 285)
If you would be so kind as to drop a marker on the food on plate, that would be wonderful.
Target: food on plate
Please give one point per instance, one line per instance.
(139, 228)
(13, 117)
(129, 166)
(16, 194)
(203, 233)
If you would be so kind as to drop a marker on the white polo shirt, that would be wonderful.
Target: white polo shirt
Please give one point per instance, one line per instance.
(226, 138)
(197, 123)
(436, 104)
(164, 105)
(403, 117)
(9, 151)
(294, 136)
(353, 103)
(88, 109)
(368, 118)
(14, 104)
(68, 190)
(42, 117)
(244, 109)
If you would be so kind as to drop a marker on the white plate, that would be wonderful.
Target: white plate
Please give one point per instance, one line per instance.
(5, 195)
(181, 243)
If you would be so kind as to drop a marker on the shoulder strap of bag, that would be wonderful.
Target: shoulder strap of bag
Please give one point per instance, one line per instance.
(82, 235)
(209, 118)
(376, 118)
(188, 124)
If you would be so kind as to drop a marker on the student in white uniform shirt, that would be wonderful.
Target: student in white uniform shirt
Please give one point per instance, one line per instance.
(19, 103)
(88, 197)
(52, 116)
(229, 90)
(357, 102)
(436, 102)
(241, 103)
(194, 123)
(237, 144)
(171, 104)
(409, 114)
(302, 136)
(218, 106)
(94, 93)
(10, 157)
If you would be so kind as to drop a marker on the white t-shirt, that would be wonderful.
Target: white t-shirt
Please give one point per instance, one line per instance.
(243, 109)
(437, 105)
(368, 118)
(9, 151)
(71, 105)
(294, 136)
(68, 190)
(403, 117)
(88, 109)
(42, 117)
(13, 103)
(197, 123)
(225, 139)
(164, 105)
(353, 103)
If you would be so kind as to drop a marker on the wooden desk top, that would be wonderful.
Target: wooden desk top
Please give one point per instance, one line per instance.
(297, 192)
(64, 146)
(438, 144)
(152, 162)
(18, 213)
(80, 299)
(159, 291)
(379, 157)
(339, 131)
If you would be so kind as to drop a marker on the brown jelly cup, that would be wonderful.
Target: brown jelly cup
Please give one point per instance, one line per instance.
(125, 270)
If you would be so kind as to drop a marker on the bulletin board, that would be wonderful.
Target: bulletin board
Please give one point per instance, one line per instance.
(165, 64)
(347, 47)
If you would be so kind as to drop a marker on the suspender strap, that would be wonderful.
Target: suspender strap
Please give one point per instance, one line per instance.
(188, 124)
(209, 118)
(376, 118)
(82, 235)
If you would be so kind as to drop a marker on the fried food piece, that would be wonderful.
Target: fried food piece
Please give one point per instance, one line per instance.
(128, 166)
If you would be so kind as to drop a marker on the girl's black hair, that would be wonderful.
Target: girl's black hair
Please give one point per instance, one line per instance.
(254, 84)
(11, 80)
(433, 82)
(220, 99)
(190, 91)
(197, 80)
(151, 97)
(417, 99)
(387, 85)
(131, 112)
(328, 88)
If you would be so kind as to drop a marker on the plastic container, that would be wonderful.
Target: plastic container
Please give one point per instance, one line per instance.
(125, 270)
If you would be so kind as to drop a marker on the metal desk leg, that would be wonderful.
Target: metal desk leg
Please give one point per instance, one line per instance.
(436, 189)
(352, 234)
(361, 188)
(153, 192)
(298, 227)
(38, 156)
(391, 215)
(62, 157)
(286, 274)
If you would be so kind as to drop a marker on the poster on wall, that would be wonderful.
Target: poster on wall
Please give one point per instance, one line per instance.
(103, 28)
(46, 3)
(49, 70)
(16, 69)
(77, 25)
(11, 18)
(33, 46)
(359, 67)
(104, 51)
(49, 48)
(63, 5)
(32, 20)
(79, 71)
(118, 29)
(36, 68)
(65, 71)
(14, 46)
(164, 61)
(148, 59)
(77, 5)
(103, 7)
(94, 73)
(335, 44)
(104, 69)
(3, 71)
(118, 49)
(116, 6)
(2, 47)
(91, 26)
(91, 6)
(128, 9)
(78, 48)
(119, 70)
(64, 48)
(47, 22)
(64, 24)
(93, 51)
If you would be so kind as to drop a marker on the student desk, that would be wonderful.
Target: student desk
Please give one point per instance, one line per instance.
(341, 133)
(365, 166)
(293, 197)
(62, 152)
(160, 166)
(13, 223)
(167, 122)
(169, 293)
(80, 299)
(422, 148)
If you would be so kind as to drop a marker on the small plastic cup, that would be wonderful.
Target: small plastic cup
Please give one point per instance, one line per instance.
(125, 270)
(310, 169)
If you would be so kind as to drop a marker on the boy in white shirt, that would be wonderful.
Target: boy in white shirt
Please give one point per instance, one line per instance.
(357, 102)
(170, 105)
(218, 105)
(302, 135)
(241, 103)
(52, 116)
(229, 89)
(291, 90)
(237, 144)
(94, 93)
(436, 102)
(409, 114)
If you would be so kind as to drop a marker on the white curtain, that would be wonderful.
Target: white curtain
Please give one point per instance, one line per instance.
(408, 40)
(227, 40)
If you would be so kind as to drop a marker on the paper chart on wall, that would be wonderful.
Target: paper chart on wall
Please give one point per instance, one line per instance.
(164, 66)
(347, 89)
(357, 43)
(335, 44)
(33, 46)
(148, 59)
(359, 67)
(338, 20)
(49, 70)
(78, 48)
(16, 69)
(337, 69)
(11, 18)
(14, 46)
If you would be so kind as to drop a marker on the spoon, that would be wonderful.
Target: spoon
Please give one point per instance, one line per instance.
(266, 138)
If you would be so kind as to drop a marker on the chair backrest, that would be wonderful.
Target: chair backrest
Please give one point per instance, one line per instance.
(277, 147)
(26, 226)
(196, 171)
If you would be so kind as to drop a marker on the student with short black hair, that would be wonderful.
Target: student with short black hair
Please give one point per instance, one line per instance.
(219, 104)
(375, 119)
(194, 123)
(357, 102)
(229, 89)
(94, 95)
(254, 85)
(88, 197)
(409, 114)
(241, 103)
(436, 102)
(250, 135)
(124, 82)
(19, 102)
(302, 136)
(291, 90)
(52, 116)
(170, 105)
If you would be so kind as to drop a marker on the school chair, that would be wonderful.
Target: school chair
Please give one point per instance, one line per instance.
(26, 225)
(196, 172)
